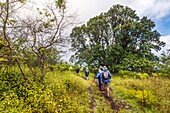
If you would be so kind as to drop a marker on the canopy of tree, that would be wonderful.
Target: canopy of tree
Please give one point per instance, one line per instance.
(118, 38)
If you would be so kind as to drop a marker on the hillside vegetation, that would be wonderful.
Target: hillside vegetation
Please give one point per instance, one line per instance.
(66, 92)
(58, 92)
(35, 79)
(151, 95)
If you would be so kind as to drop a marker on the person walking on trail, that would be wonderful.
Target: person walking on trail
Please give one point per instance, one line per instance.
(98, 76)
(77, 71)
(87, 73)
(105, 79)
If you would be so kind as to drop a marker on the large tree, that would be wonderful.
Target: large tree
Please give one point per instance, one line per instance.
(111, 37)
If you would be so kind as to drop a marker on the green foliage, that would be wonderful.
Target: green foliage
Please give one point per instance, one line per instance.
(2, 43)
(3, 60)
(62, 66)
(11, 79)
(158, 75)
(137, 63)
(142, 75)
(61, 4)
(146, 98)
(164, 67)
(10, 103)
(71, 68)
(125, 73)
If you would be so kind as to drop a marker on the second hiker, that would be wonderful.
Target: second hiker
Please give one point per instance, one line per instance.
(87, 73)
(105, 79)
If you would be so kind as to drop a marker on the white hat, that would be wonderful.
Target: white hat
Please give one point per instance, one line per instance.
(104, 67)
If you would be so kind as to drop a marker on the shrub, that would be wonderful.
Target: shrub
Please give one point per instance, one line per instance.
(126, 73)
(145, 97)
(142, 75)
(71, 68)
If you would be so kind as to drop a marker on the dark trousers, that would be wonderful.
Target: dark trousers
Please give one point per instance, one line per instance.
(86, 74)
(100, 86)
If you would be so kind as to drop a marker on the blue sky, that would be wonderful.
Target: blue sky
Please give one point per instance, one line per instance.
(163, 25)
(157, 10)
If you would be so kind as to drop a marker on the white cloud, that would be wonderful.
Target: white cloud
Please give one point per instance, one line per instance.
(166, 39)
(155, 8)
(151, 8)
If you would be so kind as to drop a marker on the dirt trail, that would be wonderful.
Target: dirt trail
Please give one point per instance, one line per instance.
(92, 103)
(116, 105)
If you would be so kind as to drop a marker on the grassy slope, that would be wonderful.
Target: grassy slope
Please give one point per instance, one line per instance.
(145, 95)
(66, 92)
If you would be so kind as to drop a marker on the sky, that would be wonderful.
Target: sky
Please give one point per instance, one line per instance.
(156, 10)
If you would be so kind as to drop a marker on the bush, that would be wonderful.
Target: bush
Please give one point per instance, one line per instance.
(142, 75)
(145, 97)
(125, 73)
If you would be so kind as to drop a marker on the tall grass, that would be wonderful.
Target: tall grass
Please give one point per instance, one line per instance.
(145, 95)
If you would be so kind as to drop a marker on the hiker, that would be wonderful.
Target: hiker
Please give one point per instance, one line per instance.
(87, 73)
(156, 68)
(98, 76)
(105, 80)
(77, 71)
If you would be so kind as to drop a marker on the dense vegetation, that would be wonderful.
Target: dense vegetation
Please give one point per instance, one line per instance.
(64, 91)
(34, 79)
(58, 92)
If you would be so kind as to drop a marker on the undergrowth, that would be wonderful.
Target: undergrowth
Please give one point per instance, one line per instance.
(150, 95)
(59, 92)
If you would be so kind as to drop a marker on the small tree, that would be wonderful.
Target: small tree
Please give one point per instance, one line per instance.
(40, 37)
(8, 9)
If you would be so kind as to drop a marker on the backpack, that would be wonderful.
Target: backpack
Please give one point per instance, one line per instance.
(106, 75)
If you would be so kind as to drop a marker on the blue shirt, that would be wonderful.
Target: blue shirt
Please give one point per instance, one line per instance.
(98, 76)
(103, 79)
